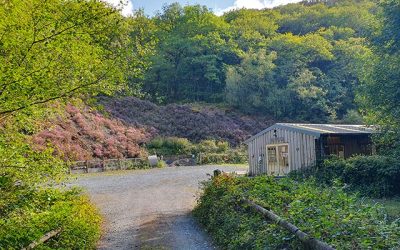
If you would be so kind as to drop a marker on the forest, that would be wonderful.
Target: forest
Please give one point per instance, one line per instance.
(68, 69)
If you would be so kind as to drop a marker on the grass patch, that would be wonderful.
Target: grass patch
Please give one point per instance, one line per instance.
(47, 210)
(391, 206)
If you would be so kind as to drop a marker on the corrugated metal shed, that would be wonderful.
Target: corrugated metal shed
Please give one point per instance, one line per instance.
(285, 147)
(319, 129)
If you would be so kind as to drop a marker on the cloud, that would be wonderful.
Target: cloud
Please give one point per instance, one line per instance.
(126, 6)
(255, 4)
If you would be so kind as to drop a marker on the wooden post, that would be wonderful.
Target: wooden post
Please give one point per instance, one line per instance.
(217, 172)
(303, 237)
(87, 166)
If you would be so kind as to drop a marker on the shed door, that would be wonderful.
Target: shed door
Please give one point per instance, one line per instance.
(278, 159)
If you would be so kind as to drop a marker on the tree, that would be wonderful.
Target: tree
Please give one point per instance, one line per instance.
(193, 49)
(57, 49)
(51, 51)
(379, 94)
(251, 29)
(250, 86)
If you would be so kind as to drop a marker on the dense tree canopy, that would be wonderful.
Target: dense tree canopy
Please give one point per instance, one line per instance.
(380, 94)
(304, 61)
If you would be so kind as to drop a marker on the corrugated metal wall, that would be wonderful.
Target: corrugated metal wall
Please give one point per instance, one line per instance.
(301, 150)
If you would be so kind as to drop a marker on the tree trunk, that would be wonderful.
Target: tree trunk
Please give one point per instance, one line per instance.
(303, 237)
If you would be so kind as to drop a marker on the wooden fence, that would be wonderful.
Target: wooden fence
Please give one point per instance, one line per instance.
(93, 166)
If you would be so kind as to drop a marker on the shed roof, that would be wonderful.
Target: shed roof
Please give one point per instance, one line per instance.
(319, 129)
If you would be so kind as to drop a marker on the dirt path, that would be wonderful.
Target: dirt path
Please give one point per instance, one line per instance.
(150, 209)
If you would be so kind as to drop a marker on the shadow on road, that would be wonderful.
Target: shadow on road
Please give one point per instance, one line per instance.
(171, 231)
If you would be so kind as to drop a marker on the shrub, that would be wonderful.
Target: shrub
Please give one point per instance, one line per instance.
(161, 164)
(329, 214)
(47, 210)
(232, 157)
(375, 176)
(212, 146)
(170, 146)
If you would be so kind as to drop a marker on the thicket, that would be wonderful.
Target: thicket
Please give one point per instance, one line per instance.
(373, 176)
(330, 214)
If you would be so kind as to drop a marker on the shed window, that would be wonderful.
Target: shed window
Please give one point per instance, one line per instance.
(335, 149)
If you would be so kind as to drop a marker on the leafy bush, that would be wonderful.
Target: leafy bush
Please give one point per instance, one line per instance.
(46, 210)
(207, 151)
(329, 214)
(213, 146)
(161, 164)
(170, 146)
(376, 176)
(232, 156)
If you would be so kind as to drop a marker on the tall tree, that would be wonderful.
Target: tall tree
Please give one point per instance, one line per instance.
(56, 49)
(380, 93)
(189, 64)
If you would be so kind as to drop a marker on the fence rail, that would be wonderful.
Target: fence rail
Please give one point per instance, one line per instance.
(92, 166)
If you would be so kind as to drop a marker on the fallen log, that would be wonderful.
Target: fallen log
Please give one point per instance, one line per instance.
(45, 238)
(308, 241)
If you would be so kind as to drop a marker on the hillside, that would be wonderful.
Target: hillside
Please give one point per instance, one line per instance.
(186, 121)
(84, 134)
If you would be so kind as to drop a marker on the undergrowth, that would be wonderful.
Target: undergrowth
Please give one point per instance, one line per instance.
(344, 221)
(373, 176)
(41, 211)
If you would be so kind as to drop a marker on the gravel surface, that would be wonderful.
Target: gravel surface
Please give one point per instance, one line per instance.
(150, 209)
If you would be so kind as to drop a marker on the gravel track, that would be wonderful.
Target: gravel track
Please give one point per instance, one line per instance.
(150, 209)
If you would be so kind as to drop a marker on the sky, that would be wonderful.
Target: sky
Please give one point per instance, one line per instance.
(218, 6)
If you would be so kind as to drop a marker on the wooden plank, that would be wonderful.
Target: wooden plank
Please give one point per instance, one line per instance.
(306, 148)
(297, 150)
(292, 152)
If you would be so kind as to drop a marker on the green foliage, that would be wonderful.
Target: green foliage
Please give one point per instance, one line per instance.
(207, 151)
(53, 50)
(47, 210)
(236, 156)
(374, 176)
(357, 15)
(329, 214)
(378, 95)
(59, 49)
(304, 61)
(170, 146)
(161, 164)
(212, 146)
(190, 58)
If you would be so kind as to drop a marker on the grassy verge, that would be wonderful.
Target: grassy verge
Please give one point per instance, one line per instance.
(342, 220)
(391, 206)
(42, 211)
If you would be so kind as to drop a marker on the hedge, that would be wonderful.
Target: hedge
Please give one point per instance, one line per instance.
(374, 176)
